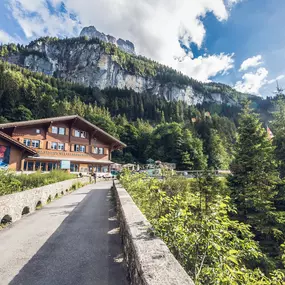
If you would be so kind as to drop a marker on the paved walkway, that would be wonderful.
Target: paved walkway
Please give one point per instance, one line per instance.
(73, 240)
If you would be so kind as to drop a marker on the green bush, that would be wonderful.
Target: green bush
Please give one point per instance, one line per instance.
(193, 217)
(10, 182)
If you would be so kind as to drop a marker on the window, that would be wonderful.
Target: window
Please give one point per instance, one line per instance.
(54, 130)
(80, 134)
(61, 146)
(101, 150)
(105, 169)
(37, 166)
(50, 166)
(30, 166)
(53, 145)
(38, 131)
(79, 148)
(61, 131)
(74, 167)
(96, 150)
(27, 142)
(43, 166)
(58, 130)
(35, 143)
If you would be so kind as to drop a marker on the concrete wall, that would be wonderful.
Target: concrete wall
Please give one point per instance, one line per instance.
(148, 258)
(14, 204)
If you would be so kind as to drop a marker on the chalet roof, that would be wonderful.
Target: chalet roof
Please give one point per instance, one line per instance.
(61, 119)
(17, 143)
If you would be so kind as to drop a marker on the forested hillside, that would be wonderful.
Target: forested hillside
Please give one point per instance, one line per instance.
(231, 230)
(152, 127)
(92, 62)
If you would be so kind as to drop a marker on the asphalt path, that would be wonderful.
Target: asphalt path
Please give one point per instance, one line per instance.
(74, 240)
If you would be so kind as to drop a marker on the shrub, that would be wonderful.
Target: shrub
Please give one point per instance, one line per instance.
(193, 217)
(11, 182)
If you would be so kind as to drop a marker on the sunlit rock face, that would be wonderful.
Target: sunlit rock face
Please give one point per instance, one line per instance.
(91, 32)
(87, 63)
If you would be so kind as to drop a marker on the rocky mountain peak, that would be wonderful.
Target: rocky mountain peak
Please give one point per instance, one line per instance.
(92, 32)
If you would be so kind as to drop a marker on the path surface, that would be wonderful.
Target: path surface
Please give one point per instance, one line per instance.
(73, 240)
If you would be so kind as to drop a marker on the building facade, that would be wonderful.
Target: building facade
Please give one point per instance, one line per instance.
(68, 142)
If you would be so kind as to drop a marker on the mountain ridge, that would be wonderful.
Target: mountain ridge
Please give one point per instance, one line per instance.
(95, 63)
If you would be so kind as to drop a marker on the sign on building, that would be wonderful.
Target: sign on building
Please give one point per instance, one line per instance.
(65, 164)
(4, 156)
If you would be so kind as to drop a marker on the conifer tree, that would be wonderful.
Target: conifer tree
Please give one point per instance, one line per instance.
(278, 128)
(254, 173)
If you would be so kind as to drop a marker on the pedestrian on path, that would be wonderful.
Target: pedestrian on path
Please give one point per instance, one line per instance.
(95, 177)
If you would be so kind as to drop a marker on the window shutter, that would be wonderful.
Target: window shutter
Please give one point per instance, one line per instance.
(41, 144)
(73, 132)
(93, 149)
(66, 146)
(72, 147)
(21, 140)
(50, 129)
(87, 148)
(67, 131)
(106, 151)
(48, 145)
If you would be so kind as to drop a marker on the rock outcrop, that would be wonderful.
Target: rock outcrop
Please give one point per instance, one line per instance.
(92, 32)
(87, 62)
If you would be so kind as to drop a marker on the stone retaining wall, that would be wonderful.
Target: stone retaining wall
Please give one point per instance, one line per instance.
(13, 205)
(148, 258)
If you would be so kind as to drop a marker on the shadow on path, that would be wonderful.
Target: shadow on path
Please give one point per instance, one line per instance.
(85, 249)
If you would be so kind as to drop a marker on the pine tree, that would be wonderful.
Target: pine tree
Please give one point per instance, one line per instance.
(218, 157)
(278, 128)
(254, 173)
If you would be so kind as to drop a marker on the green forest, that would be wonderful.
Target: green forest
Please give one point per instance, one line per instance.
(193, 137)
(225, 230)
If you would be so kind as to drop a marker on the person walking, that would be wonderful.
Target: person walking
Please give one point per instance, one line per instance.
(95, 176)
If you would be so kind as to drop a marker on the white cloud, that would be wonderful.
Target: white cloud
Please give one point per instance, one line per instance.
(36, 20)
(153, 26)
(204, 67)
(251, 62)
(280, 77)
(233, 2)
(5, 38)
(252, 82)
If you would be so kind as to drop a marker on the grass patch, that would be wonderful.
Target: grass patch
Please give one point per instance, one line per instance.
(11, 183)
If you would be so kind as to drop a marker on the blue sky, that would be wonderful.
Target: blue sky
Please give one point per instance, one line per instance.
(221, 35)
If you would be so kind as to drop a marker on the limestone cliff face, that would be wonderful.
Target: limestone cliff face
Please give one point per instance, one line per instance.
(92, 32)
(87, 63)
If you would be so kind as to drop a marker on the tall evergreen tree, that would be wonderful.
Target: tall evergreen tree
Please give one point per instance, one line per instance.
(278, 127)
(254, 173)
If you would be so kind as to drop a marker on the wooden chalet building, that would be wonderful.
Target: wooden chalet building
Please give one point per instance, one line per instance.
(68, 142)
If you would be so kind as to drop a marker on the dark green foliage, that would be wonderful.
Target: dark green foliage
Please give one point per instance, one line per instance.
(142, 121)
(254, 186)
(193, 217)
(278, 128)
(254, 171)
